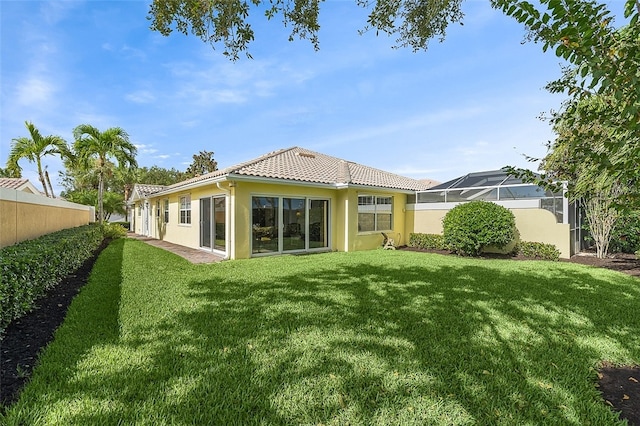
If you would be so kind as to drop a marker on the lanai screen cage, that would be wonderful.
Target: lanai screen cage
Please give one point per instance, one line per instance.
(499, 187)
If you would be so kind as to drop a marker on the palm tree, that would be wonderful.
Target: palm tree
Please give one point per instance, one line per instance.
(33, 149)
(95, 147)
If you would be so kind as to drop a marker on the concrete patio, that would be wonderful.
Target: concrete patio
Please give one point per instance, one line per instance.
(192, 255)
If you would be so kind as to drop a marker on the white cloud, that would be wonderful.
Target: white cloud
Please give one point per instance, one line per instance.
(145, 149)
(35, 91)
(140, 97)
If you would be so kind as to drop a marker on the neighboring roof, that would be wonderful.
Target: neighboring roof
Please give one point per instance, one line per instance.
(145, 190)
(141, 190)
(429, 182)
(302, 165)
(488, 178)
(19, 184)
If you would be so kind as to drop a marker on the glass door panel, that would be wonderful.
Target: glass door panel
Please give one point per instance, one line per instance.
(265, 225)
(318, 224)
(219, 220)
(294, 217)
(205, 222)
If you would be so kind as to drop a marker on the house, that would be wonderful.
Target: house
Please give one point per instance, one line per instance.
(19, 184)
(288, 201)
(296, 201)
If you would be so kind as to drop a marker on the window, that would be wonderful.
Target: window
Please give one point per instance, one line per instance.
(140, 209)
(166, 210)
(374, 213)
(158, 209)
(185, 209)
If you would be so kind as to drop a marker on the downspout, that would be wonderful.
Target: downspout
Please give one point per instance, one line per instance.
(231, 249)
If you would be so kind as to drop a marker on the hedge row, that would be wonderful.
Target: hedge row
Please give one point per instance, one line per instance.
(537, 250)
(532, 250)
(28, 269)
(427, 241)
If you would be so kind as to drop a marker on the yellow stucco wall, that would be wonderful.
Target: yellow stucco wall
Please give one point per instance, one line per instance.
(243, 193)
(343, 216)
(24, 216)
(372, 240)
(535, 225)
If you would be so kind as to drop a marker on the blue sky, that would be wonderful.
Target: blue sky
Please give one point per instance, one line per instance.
(468, 104)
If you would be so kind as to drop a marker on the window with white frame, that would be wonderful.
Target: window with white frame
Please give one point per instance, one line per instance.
(140, 209)
(374, 213)
(158, 209)
(185, 210)
(166, 210)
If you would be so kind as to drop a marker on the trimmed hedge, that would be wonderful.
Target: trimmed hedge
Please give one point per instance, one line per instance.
(28, 269)
(427, 241)
(472, 227)
(113, 230)
(537, 250)
(125, 225)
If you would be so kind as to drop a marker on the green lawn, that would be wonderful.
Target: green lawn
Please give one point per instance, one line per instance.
(378, 337)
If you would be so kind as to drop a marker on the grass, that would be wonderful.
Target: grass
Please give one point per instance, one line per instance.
(379, 337)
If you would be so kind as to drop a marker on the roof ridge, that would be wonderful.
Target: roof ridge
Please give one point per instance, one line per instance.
(263, 157)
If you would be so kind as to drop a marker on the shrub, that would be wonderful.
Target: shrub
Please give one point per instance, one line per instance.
(427, 241)
(125, 225)
(537, 250)
(113, 230)
(28, 269)
(625, 236)
(470, 228)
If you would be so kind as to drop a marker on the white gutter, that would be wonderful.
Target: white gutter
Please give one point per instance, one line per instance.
(275, 181)
(192, 185)
(280, 181)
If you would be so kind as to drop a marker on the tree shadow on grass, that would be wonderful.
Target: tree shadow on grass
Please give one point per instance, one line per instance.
(369, 339)
(452, 344)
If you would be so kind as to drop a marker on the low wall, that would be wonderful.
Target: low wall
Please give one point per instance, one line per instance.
(535, 225)
(24, 216)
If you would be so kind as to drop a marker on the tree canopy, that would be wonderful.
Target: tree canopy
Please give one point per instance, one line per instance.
(94, 149)
(602, 59)
(33, 148)
(202, 163)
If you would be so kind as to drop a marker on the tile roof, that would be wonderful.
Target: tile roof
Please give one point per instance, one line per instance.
(12, 183)
(145, 190)
(430, 182)
(302, 165)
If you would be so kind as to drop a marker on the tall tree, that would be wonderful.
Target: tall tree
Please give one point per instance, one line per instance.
(603, 60)
(576, 155)
(202, 163)
(97, 148)
(34, 148)
(8, 173)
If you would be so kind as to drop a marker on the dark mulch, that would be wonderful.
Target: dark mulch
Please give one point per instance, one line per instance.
(620, 387)
(26, 336)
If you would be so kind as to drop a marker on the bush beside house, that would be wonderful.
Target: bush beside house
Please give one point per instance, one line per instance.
(471, 228)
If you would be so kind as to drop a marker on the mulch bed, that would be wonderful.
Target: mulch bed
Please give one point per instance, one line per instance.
(25, 337)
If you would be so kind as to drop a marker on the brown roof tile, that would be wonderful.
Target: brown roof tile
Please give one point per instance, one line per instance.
(303, 165)
(12, 183)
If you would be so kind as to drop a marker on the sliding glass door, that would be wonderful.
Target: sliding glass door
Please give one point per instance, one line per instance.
(294, 217)
(284, 224)
(265, 224)
(213, 223)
